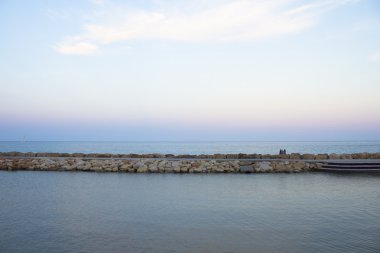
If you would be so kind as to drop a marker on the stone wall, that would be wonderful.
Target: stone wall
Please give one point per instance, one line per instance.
(154, 165)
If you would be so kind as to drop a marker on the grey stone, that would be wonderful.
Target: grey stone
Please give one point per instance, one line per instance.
(263, 167)
(246, 169)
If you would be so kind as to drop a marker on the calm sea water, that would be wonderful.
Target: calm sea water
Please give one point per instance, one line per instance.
(271, 147)
(90, 212)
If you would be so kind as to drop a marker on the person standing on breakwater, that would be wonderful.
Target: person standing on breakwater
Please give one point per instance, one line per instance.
(282, 151)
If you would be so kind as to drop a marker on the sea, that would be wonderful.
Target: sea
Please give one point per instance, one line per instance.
(120, 212)
(193, 148)
(43, 211)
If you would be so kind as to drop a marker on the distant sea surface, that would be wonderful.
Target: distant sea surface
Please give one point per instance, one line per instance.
(230, 147)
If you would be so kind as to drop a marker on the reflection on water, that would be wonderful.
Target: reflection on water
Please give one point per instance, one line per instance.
(90, 212)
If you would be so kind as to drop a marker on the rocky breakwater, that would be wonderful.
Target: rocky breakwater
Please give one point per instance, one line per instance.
(155, 165)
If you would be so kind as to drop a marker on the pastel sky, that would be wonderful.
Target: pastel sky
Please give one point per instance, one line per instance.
(190, 70)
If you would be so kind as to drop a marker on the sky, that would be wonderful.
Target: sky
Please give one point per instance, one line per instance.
(190, 70)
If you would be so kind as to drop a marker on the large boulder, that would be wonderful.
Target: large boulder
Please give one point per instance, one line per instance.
(142, 169)
(322, 157)
(334, 156)
(153, 167)
(308, 157)
(125, 167)
(280, 167)
(295, 156)
(263, 167)
(346, 156)
(247, 169)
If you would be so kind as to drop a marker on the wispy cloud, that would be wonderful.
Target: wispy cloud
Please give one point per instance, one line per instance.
(239, 20)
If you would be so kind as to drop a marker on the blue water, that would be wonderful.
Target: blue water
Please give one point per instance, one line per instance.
(115, 212)
(269, 147)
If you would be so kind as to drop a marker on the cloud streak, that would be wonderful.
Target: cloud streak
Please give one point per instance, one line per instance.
(228, 21)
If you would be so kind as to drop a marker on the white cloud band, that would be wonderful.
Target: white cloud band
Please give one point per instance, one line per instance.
(239, 20)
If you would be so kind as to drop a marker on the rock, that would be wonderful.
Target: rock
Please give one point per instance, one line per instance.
(263, 167)
(153, 167)
(298, 166)
(334, 156)
(217, 168)
(125, 167)
(322, 157)
(102, 155)
(219, 156)
(235, 164)
(308, 157)
(176, 166)
(196, 170)
(114, 168)
(280, 167)
(142, 169)
(318, 165)
(185, 169)
(254, 156)
(346, 156)
(230, 169)
(161, 166)
(195, 164)
(374, 156)
(158, 155)
(242, 156)
(168, 169)
(245, 163)
(247, 169)
(97, 169)
(232, 156)
(312, 166)
(295, 156)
